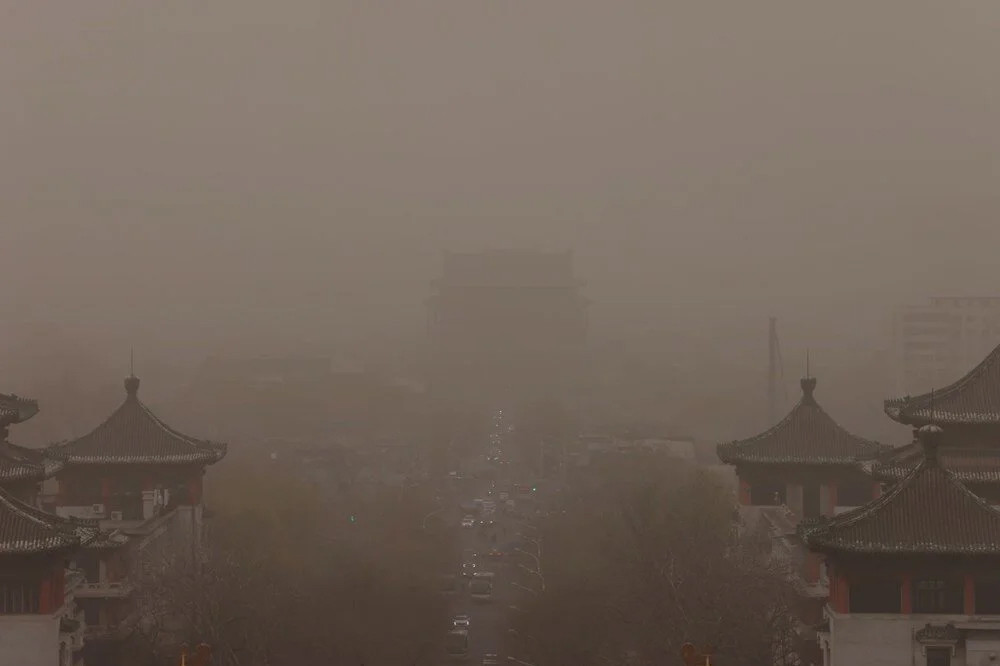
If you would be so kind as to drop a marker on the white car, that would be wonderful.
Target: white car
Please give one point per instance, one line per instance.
(460, 622)
(468, 521)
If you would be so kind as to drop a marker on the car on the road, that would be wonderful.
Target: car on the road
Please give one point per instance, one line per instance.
(491, 659)
(468, 521)
(469, 569)
(495, 553)
(486, 522)
(460, 622)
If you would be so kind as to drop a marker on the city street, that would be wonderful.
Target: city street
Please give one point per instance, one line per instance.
(488, 625)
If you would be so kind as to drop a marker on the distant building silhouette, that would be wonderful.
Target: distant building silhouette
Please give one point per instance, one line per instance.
(940, 340)
(506, 325)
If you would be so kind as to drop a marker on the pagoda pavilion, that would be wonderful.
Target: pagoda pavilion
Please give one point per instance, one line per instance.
(806, 462)
(912, 575)
(969, 412)
(21, 469)
(132, 467)
(142, 479)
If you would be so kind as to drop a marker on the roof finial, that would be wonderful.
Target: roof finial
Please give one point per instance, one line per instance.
(808, 384)
(131, 382)
(930, 439)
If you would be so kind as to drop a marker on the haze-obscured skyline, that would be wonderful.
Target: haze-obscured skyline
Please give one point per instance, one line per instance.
(249, 174)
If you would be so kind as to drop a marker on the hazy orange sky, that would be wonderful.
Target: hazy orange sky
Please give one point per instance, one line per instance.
(250, 172)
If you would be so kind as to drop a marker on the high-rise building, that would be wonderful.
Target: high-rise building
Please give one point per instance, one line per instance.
(940, 340)
(506, 325)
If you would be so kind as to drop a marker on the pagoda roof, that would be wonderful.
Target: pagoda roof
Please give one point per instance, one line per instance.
(806, 436)
(928, 512)
(26, 530)
(974, 399)
(968, 464)
(15, 409)
(133, 435)
(18, 463)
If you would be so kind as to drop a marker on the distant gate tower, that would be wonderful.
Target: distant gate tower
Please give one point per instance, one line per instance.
(506, 326)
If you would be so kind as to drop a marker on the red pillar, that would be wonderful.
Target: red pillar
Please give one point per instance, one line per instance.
(969, 605)
(840, 592)
(744, 492)
(811, 567)
(906, 595)
(45, 595)
(194, 490)
(106, 491)
(876, 490)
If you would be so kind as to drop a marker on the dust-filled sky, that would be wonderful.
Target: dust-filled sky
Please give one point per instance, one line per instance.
(250, 172)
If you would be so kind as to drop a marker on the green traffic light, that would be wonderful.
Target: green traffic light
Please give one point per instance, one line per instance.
(353, 519)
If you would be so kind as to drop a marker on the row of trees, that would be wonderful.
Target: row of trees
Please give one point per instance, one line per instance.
(295, 574)
(646, 558)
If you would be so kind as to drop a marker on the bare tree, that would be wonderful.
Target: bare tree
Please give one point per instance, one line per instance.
(288, 578)
(647, 560)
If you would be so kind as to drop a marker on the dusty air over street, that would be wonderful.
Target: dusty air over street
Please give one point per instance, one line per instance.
(563, 332)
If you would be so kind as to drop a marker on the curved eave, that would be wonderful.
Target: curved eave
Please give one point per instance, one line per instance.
(742, 459)
(205, 458)
(925, 416)
(922, 409)
(37, 547)
(13, 473)
(875, 548)
(15, 409)
(894, 473)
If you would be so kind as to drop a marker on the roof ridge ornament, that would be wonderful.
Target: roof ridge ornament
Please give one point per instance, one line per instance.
(930, 441)
(808, 385)
(131, 382)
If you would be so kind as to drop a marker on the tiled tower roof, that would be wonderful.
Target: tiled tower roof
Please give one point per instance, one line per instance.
(808, 435)
(974, 399)
(18, 463)
(928, 512)
(26, 530)
(133, 435)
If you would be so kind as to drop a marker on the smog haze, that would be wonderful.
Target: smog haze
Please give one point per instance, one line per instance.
(189, 177)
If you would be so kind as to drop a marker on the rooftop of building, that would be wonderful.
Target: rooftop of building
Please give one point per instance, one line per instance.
(968, 463)
(18, 463)
(929, 512)
(26, 530)
(806, 436)
(972, 400)
(133, 435)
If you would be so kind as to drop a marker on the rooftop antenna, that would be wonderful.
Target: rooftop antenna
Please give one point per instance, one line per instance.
(807, 363)
(131, 361)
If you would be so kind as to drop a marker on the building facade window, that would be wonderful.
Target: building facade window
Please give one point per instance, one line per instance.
(938, 595)
(875, 596)
(939, 656)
